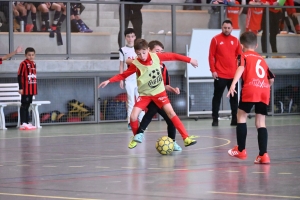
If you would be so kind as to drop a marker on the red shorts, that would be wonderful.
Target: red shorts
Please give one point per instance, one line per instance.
(160, 100)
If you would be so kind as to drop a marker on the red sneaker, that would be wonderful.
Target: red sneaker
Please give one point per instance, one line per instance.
(234, 152)
(265, 159)
(28, 27)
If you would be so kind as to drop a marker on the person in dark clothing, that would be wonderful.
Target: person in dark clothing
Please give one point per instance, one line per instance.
(133, 14)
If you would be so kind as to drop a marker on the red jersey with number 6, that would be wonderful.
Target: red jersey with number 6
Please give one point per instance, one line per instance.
(255, 86)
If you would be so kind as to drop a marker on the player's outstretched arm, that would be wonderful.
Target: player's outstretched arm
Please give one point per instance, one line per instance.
(194, 62)
(236, 78)
(18, 50)
(103, 84)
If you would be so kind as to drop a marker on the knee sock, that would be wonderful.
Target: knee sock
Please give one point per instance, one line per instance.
(45, 20)
(56, 18)
(134, 126)
(262, 138)
(33, 19)
(241, 135)
(61, 20)
(180, 127)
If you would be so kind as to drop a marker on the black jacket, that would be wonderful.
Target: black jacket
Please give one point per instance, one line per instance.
(134, 6)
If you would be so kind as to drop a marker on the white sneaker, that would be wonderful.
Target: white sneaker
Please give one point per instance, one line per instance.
(24, 126)
(31, 126)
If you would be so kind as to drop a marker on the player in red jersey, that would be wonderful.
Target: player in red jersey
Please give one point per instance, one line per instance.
(27, 86)
(254, 16)
(151, 87)
(256, 82)
(233, 14)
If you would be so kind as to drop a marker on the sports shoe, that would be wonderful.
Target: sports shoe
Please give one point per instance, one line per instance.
(177, 147)
(132, 143)
(28, 27)
(26, 126)
(233, 122)
(215, 122)
(129, 127)
(189, 141)
(265, 159)
(138, 137)
(234, 152)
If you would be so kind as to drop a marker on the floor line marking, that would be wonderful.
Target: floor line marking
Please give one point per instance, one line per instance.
(284, 173)
(102, 167)
(128, 167)
(76, 166)
(258, 195)
(154, 168)
(258, 172)
(233, 171)
(41, 196)
(49, 166)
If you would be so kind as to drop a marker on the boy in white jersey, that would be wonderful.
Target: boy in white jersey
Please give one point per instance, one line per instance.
(130, 82)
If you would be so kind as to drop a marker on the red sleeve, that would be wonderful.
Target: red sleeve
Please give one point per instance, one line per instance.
(0, 61)
(130, 70)
(212, 52)
(173, 56)
(239, 48)
(290, 11)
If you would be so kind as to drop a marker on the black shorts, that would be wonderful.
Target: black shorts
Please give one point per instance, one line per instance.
(26, 99)
(260, 108)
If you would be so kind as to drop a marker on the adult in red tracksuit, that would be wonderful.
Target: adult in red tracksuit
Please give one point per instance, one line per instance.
(223, 51)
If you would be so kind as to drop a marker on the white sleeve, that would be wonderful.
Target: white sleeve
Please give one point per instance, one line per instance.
(121, 56)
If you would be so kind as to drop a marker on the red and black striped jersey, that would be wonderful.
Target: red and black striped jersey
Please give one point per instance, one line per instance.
(27, 77)
(165, 74)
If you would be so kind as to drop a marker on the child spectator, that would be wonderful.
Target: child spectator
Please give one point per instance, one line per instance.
(256, 82)
(27, 86)
(130, 82)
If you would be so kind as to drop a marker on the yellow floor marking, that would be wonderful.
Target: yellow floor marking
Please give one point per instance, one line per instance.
(49, 197)
(284, 173)
(233, 171)
(258, 172)
(258, 195)
(49, 166)
(76, 166)
(154, 168)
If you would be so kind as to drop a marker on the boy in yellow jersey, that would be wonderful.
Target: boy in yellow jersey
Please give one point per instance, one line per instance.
(151, 87)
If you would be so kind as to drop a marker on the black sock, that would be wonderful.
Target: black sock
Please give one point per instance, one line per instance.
(76, 26)
(262, 138)
(61, 20)
(241, 135)
(56, 17)
(45, 20)
(33, 19)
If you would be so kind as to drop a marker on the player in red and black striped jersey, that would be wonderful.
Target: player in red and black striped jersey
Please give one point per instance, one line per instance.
(157, 47)
(27, 86)
(18, 50)
(257, 80)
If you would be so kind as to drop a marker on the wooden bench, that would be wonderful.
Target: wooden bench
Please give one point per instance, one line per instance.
(9, 96)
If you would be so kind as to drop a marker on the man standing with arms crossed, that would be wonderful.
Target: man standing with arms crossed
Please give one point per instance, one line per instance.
(223, 51)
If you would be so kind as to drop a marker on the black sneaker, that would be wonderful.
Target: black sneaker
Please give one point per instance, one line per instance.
(215, 122)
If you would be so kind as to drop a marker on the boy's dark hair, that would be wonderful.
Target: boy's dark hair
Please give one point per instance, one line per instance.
(140, 44)
(29, 49)
(227, 21)
(248, 40)
(154, 43)
(128, 31)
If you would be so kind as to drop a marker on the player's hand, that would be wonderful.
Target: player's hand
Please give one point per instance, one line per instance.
(103, 84)
(122, 84)
(275, 4)
(231, 91)
(215, 75)
(176, 90)
(19, 49)
(21, 91)
(194, 62)
(129, 61)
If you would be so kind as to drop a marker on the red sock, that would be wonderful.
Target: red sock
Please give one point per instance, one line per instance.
(179, 126)
(134, 126)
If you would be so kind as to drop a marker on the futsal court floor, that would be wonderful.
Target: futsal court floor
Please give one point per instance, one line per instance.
(92, 162)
